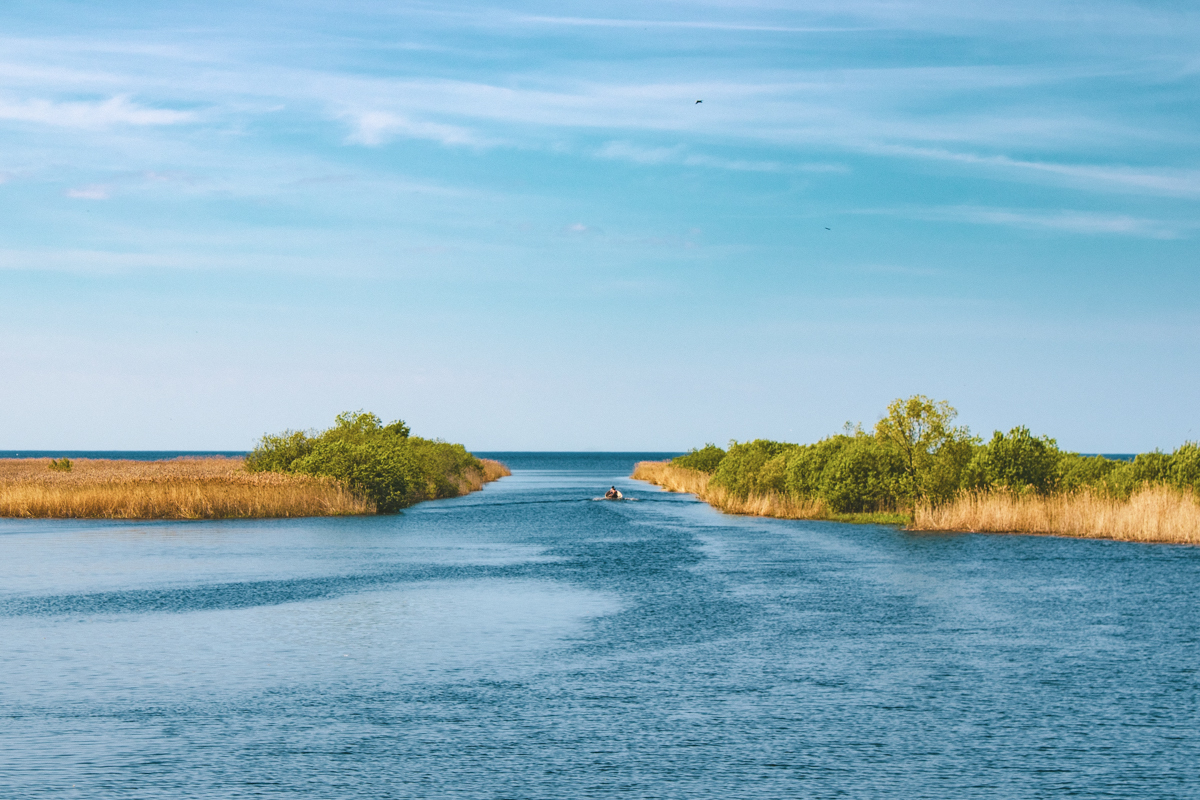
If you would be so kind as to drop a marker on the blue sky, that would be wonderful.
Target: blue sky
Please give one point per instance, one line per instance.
(513, 226)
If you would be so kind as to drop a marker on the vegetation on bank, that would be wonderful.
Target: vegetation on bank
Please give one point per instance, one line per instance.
(383, 463)
(916, 466)
(181, 488)
(359, 466)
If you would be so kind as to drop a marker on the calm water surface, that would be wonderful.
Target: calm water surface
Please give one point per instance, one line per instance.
(529, 642)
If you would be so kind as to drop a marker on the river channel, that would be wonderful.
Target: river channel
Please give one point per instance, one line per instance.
(529, 641)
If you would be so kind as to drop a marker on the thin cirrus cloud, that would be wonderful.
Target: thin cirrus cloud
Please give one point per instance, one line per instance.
(1164, 181)
(1065, 220)
(373, 128)
(679, 154)
(94, 191)
(119, 110)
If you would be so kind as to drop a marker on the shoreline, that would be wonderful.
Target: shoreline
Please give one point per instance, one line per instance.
(1155, 514)
(186, 488)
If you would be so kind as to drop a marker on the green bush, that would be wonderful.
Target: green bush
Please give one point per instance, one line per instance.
(1075, 472)
(382, 462)
(61, 464)
(916, 453)
(1185, 466)
(739, 472)
(706, 459)
(864, 476)
(1018, 461)
(277, 453)
(806, 467)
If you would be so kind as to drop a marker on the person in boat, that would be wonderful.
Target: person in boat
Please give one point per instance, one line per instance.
(612, 494)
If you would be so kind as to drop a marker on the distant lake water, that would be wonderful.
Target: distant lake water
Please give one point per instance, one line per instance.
(528, 641)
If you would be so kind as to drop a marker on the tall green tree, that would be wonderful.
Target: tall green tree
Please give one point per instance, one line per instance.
(922, 433)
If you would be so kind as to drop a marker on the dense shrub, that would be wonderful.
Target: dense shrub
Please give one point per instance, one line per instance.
(740, 472)
(807, 466)
(1185, 466)
(1074, 472)
(706, 459)
(1018, 461)
(863, 476)
(917, 454)
(382, 462)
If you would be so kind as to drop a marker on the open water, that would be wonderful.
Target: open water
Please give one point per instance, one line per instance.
(529, 642)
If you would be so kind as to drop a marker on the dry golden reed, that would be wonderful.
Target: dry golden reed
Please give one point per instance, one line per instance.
(691, 481)
(182, 488)
(1153, 514)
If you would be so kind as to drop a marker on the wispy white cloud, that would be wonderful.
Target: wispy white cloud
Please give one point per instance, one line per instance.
(117, 110)
(373, 128)
(679, 154)
(1161, 181)
(645, 24)
(93, 191)
(1066, 220)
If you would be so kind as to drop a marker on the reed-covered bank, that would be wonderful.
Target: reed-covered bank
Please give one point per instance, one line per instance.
(384, 463)
(359, 466)
(674, 478)
(917, 468)
(1151, 514)
(187, 488)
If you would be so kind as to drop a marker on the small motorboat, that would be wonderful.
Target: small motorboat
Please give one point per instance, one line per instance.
(613, 494)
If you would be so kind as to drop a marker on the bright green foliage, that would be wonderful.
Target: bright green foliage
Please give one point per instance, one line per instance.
(706, 459)
(1076, 472)
(916, 453)
(382, 462)
(277, 452)
(740, 471)
(60, 464)
(921, 433)
(1185, 466)
(863, 476)
(807, 466)
(1019, 461)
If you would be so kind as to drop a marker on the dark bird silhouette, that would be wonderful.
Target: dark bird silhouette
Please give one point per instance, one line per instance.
(829, 229)
(699, 101)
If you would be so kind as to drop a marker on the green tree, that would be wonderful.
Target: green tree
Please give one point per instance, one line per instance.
(1016, 461)
(739, 472)
(919, 430)
(861, 476)
(381, 462)
(706, 459)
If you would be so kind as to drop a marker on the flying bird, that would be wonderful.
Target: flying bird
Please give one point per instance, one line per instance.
(699, 101)
(829, 229)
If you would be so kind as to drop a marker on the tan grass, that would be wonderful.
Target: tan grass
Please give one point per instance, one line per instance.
(473, 480)
(1154, 514)
(690, 481)
(182, 488)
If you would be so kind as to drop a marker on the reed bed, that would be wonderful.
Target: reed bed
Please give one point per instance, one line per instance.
(690, 481)
(1153, 514)
(183, 488)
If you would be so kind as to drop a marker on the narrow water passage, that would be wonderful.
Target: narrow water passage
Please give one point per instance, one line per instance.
(529, 641)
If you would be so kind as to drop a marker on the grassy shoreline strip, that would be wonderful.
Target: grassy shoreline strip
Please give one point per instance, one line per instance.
(690, 481)
(1154, 513)
(183, 489)
(1160, 514)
